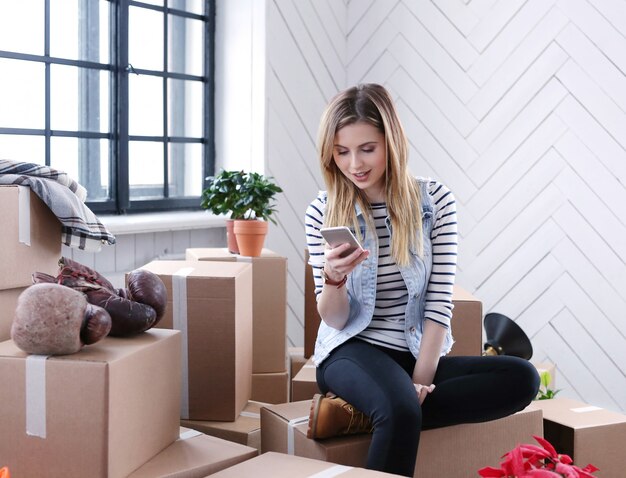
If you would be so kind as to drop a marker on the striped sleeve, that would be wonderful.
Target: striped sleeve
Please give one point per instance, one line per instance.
(444, 241)
(313, 221)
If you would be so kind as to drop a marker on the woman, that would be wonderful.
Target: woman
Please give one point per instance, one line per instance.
(386, 307)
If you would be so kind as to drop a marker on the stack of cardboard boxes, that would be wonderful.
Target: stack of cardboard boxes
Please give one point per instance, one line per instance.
(232, 313)
(211, 304)
(270, 382)
(111, 409)
(30, 242)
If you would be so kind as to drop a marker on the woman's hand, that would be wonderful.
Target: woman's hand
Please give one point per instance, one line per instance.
(333, 304)
(428, 358)
(337, 267)
(423, 391)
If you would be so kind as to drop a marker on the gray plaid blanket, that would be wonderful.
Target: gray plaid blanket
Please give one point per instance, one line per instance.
(65, 198)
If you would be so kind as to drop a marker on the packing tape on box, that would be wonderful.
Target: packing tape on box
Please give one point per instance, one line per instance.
(189, 434)
(590, 408)
(291, 424)
(23, 208)
(250, 414)
(332, 471)
(179, 319)
(36, 395)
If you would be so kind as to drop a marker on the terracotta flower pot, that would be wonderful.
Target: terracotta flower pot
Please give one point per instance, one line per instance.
(231, 239)
(250, 236)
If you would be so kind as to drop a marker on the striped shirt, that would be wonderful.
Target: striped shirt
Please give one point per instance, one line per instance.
(392, 296)
(387, 325)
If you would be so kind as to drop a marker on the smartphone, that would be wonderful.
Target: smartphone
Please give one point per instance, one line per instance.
(335, 236)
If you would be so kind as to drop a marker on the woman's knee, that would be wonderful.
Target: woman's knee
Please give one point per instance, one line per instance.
(400, 411)
(526, 379)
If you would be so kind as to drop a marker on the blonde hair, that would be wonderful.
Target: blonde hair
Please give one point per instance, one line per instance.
(371, 104)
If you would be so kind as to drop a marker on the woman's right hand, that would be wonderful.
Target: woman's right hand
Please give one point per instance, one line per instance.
(333, 304)
(336, 267)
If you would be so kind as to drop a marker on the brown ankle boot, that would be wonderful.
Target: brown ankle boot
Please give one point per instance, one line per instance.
(333, 416)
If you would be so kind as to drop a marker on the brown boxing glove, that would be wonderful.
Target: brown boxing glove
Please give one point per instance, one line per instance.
(51, 319)
(128, 317)
(148, 288)
(80, 277)
(96, 324)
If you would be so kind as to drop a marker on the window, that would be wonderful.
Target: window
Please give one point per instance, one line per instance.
(119, 94)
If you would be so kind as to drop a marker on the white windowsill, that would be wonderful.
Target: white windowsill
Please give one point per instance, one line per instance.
(161, 221)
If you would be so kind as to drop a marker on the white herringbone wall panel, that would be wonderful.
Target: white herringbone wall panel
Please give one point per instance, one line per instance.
(306, 42)
(520, 107)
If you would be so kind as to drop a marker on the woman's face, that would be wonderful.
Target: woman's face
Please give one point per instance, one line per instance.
(360, 154)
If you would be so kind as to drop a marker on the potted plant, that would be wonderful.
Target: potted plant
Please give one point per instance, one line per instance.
(247, 197)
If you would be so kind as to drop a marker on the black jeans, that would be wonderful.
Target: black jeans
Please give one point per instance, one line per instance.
(377, 381)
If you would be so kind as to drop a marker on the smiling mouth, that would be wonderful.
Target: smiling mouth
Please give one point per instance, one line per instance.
(361, 176)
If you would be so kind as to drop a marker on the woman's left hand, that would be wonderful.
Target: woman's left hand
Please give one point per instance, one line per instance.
(423, 390)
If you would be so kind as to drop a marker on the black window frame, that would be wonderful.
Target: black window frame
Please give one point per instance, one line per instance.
(120, 201)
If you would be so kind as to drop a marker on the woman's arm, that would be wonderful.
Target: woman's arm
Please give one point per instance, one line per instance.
(333, 303)
(428, 358)
(438, 305)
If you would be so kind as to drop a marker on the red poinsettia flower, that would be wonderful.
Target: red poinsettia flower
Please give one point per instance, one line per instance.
(532, 461)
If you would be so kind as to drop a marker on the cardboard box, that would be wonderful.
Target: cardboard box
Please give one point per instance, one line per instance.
(304, 384)
(269, 304)
(467, 318)
(101, 412)
(31, 237)
(311, 317)
(8, 302)
(587, 433)
(211, 303)
(246, 430)
(270, 387)
(476, 445)
(194, 455)
(279, 465)
(467, 323)
(296, 360)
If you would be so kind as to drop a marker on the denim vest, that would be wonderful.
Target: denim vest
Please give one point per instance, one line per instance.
(361, 287)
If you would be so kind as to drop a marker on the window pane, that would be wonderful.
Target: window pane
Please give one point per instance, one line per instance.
(22, 26)
(185, 108)
(145, 38)
(185, 169)
(193, 6)
(30, 149)
(22, 94)
(145, 99)
(84, 160)
(185, 45)
(145, 169)
(153, 2)
(79, 30)
(79, 99)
